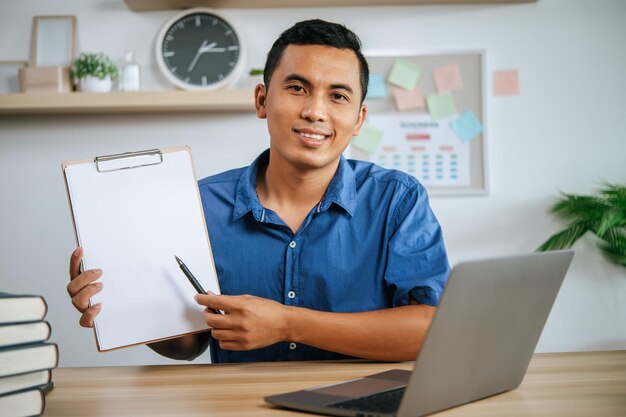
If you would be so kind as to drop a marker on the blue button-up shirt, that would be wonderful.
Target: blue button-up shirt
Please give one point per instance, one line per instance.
(371, 243)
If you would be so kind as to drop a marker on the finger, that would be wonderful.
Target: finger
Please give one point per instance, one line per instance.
(217, 302)
(77, 255)
(230, 345)
(82, 280)
(81, 300)
(218, 321)
(225, 335)
(86, 320)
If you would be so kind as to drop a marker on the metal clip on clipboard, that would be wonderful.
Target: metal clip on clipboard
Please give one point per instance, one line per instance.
(128, 160)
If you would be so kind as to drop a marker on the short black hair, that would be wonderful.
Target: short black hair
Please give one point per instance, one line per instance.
(317, 32)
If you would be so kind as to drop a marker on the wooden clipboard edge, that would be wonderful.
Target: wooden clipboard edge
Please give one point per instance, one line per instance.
(64, 166)
(186, 148)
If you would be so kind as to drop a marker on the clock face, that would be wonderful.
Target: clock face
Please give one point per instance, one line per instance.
(199, 50)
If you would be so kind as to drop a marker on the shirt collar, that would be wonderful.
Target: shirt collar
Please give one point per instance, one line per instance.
(341, 190)
(246, 199)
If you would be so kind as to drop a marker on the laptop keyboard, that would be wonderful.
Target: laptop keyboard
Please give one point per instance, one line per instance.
(383, 402)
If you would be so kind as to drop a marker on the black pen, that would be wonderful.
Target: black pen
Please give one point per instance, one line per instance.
(193, 280)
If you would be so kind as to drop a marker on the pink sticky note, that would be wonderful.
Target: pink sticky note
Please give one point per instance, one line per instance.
(407, 100)
(505, 83)
(448, 78)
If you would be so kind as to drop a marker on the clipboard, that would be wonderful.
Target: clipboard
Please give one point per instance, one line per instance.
(132, 213)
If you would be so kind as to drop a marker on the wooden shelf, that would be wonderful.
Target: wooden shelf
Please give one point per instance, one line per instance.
(118, 102)
(144, 5)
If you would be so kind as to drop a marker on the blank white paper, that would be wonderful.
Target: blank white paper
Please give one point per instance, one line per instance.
(131, 223)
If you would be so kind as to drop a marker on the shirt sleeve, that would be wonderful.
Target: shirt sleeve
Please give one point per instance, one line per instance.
(417, 262)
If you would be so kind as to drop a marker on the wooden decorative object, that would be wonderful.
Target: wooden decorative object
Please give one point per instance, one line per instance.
(45, 80)
(53, 41)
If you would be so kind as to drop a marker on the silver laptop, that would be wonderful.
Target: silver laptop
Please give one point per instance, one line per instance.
(480, 343)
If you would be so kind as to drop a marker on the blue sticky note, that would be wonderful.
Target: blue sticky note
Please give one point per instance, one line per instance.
(466, 127)
(376, 86)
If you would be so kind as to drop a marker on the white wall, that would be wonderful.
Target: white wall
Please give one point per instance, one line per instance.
(564, 132)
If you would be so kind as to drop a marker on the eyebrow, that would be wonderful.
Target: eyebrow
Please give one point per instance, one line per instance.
(306, 82)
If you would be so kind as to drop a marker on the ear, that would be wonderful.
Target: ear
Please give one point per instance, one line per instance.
(260, 95)
(360, 120)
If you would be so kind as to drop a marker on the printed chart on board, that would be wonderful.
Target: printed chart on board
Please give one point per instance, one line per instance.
(418, 145)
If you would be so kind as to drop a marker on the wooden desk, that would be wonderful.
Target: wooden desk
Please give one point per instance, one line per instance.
(562, 384)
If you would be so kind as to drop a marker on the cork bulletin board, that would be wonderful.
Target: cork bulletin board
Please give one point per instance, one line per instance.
(443, 151)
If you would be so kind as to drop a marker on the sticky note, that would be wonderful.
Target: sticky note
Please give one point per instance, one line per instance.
(466, 127)
(407, 100)
(448, 78)
(404, 74)
(505, 83)
(369, 138)
(441, 105)
(376, 86)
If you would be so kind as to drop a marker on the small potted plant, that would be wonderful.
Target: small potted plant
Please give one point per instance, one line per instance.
(94, 72)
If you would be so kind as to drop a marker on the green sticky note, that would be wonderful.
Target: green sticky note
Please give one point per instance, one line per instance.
(369, 138)
(404, 74)
(441, 105)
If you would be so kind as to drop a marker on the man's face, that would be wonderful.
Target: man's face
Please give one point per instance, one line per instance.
(313, 105)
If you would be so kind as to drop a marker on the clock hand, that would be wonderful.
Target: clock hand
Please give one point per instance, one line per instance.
(200, 51)
(205, 48)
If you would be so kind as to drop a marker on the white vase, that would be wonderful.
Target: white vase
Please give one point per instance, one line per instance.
(91, 84)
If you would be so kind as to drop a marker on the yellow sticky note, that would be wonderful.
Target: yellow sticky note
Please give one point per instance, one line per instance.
(404, 74)
(369, 138)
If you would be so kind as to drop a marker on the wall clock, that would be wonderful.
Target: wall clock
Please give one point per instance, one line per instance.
(199, 50)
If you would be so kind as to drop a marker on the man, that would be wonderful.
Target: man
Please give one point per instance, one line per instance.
(336, 258)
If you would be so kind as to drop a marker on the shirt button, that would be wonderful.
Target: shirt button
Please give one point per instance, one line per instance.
(291, 294)
(292, 244)
(292, 346)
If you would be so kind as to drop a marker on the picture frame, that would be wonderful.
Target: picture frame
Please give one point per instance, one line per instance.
(53, 41)
(9, 76)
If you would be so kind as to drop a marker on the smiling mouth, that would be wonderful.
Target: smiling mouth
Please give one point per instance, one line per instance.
(315, 136)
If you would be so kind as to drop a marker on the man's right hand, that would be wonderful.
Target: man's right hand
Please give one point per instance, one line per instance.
(82, 287)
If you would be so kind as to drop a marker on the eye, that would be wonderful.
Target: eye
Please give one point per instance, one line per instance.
(339, 97)
(296, 88)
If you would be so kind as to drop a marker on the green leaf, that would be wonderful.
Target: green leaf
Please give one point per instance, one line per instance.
(563, 239)
(613, 246)
(604, 214)
(576, 209)
(611, 218)
(613, 254)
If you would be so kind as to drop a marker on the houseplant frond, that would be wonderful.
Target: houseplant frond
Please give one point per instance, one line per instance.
(564, 239)
(612, 218)
(603, 214)
(614, 195)
(579, 209)
(614, 245)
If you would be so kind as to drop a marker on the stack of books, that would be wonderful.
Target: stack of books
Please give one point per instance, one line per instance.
(26, 358)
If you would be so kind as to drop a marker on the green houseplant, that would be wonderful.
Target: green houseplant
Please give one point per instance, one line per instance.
(94, 72)
(603, 214)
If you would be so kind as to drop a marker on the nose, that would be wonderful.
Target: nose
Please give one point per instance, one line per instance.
(314, 108)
